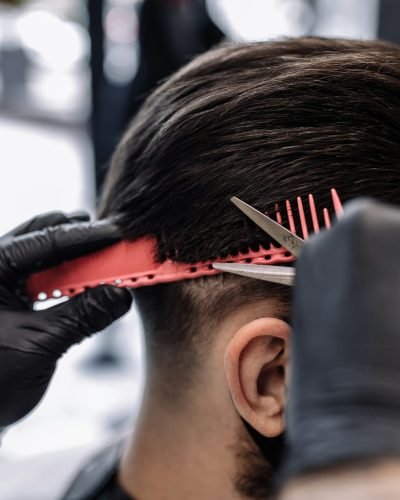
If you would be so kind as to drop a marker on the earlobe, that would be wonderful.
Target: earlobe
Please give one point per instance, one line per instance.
(255, 362)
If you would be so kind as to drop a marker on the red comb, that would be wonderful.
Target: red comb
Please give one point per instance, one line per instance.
(134, 264)
(337, 206)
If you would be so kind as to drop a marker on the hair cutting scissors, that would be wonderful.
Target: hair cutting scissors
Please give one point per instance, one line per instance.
(288, 239)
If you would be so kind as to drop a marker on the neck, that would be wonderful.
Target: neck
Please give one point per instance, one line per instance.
(176, 455)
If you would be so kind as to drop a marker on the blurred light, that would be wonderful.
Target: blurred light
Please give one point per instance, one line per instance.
(52, 42)
(121, 57)
(254, 20)
(44, 168)
(356, 19)
(121, 25)
(60, 92)
(124, 3)
(120, 64)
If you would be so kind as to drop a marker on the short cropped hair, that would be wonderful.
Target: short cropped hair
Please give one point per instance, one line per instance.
(265, 122)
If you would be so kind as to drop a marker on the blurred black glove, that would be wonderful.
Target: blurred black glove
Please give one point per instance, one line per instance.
(32, 342)
(344, 392)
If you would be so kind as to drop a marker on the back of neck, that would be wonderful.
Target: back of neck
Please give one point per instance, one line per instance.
(176, 456)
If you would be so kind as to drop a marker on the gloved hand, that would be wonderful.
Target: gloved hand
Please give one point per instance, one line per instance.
(344, 392)
(32, 342)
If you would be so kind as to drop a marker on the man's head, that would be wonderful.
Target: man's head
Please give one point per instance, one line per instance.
(265, 122)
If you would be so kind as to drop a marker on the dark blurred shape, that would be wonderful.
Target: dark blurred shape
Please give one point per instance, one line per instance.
(14, 66)
(389, 15)
(95, 11)
(12, 2)
(171, 32)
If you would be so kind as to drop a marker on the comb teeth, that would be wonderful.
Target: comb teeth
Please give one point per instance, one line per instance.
(337, 204)
(289, 211)
(278, 214)
(313, 211)
(314, 226)
(303, 221)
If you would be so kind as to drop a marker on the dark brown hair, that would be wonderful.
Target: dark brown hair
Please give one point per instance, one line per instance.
(264, 122)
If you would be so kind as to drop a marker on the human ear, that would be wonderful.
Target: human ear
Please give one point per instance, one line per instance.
(255, 363)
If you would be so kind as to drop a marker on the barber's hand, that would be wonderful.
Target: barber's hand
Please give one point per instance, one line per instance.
(32, 342)
(344, 395)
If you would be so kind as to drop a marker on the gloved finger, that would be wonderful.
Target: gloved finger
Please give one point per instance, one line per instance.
(78, 216)
(72, 321)
(344, 399)
(42, 249)
(47, 220)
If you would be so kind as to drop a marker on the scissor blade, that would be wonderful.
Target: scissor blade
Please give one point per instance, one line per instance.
(286, 238)
(274, 274)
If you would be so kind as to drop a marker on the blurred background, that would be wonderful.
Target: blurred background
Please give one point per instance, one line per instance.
(72, 75)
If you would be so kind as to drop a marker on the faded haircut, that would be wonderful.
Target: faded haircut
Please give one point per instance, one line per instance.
(265, 122)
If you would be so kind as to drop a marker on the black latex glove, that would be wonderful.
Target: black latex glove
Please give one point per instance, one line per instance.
(32, 342)
(344, 392)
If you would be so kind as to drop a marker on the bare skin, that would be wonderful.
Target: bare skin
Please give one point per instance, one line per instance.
(187, 449)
